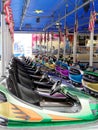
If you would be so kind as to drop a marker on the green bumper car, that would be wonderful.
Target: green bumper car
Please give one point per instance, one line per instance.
(77, 107)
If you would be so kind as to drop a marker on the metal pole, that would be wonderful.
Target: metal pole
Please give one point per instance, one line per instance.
(3, 44)
(91, 48)
(40, 43)
(36, 41)
(10, 46)
(64, 47)
(65, 35)
(7, 47)
(51, 44)
(44, 42)
(74, 47)
(47, 47)
(75, 35)
(24, 12)
(47, 42)
(59, 44)
(92, 19)
(12, 43)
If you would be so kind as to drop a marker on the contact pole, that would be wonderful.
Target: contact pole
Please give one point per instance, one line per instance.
(64, 53)
(91, 47)
(3, 37)
(75, 35)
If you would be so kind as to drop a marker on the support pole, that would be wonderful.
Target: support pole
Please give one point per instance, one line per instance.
(51, 44)
(7, 47)
(3, 44)
(75, 34)
(52, 37)
(91, 48)
(47, 47)
(64, 53)
(59, 41)
(74, 47)
(47, 42)
(64, 46)
(36, 41)
(44, 42)
(40, 42)
(11, 48)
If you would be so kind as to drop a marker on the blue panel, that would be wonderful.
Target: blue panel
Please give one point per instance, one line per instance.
(52, 11)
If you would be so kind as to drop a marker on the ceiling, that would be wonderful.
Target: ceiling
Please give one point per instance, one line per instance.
(43, 15)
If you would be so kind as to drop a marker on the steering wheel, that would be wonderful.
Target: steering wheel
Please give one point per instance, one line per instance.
(56, 87)
(44, 76)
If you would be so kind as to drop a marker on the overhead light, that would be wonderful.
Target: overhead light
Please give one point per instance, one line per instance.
(38, 11)
(58, 23)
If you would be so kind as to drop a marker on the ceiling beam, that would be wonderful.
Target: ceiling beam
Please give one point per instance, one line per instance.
(76, 9)
(36, 16)
(26, 5)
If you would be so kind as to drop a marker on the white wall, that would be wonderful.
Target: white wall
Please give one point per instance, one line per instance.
(24, 43)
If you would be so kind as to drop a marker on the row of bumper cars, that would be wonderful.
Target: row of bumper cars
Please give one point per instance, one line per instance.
(21, 104)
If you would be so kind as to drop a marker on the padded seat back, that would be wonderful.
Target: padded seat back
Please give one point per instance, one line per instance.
(24, 74)
(26, 82)
(12, 83)
(28, 95)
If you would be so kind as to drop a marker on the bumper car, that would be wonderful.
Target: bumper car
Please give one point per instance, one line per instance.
(57, 67)
(77, 107)
(69, 60)
(76, 73)
(49, 66)
(90, 81)
(49, 63)
(62, 69)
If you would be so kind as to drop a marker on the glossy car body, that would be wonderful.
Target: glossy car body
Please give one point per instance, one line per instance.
(15, 112)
